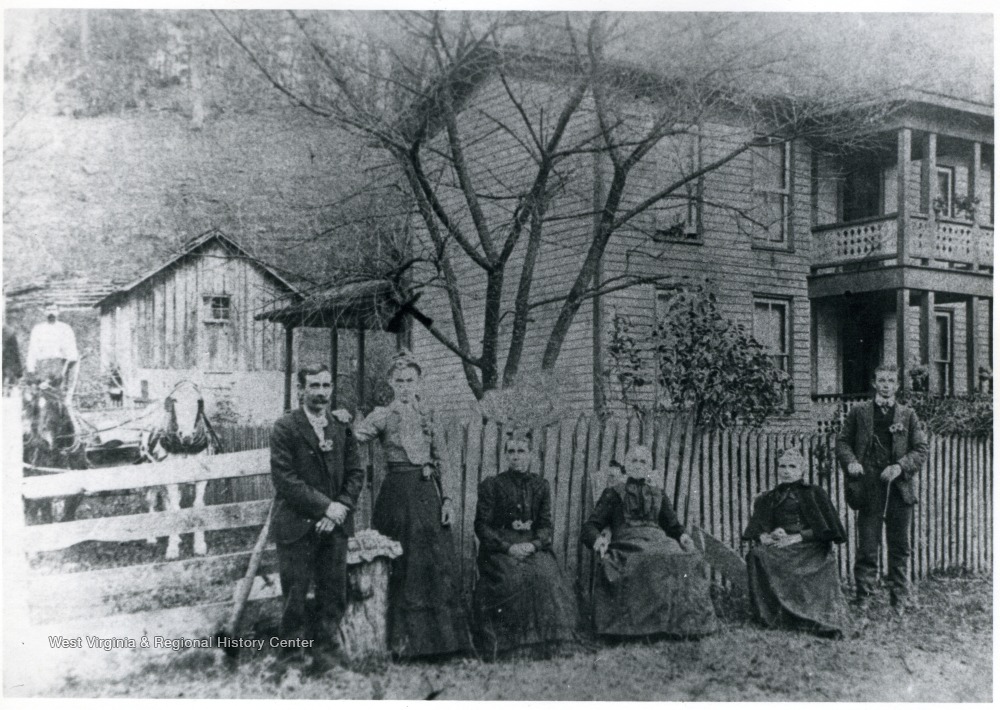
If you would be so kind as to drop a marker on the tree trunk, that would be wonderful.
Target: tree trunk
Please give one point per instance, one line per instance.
(197, 82)
(364, 628)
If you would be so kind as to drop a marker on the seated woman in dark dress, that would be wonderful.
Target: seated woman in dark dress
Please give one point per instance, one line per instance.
(792, 565)
(522, 598)
(650, 578)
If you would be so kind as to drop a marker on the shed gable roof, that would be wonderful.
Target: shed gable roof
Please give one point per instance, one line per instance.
(191, 247)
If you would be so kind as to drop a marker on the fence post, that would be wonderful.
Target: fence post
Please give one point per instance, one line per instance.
(15, 565)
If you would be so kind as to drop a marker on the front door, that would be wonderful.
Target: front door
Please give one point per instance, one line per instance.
(862, 337)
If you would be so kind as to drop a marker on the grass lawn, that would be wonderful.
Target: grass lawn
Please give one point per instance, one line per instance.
(941, 651)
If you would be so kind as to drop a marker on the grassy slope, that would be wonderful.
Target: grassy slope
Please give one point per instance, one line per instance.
(941, 652)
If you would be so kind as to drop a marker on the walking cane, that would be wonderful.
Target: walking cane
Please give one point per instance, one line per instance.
(885, 510)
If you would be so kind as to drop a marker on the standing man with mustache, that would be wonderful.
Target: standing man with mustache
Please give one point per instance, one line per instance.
(317, 479)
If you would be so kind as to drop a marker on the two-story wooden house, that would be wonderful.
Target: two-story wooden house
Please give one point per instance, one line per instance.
(833, 257)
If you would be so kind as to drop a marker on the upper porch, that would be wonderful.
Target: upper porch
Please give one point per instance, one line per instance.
(914, 202)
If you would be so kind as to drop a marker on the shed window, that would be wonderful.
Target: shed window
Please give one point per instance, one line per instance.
(217, 308)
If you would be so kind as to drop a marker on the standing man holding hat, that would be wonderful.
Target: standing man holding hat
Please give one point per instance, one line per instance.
(881, 448)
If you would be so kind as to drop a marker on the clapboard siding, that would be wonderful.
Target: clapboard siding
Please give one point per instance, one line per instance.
(500, 166)
(737, 270)
(727, 255)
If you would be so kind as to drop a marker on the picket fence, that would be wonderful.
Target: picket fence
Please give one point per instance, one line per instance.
(712, 477)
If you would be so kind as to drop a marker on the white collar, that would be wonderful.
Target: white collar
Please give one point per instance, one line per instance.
(315, 419)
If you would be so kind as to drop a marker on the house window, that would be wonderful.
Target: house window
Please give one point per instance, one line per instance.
(943, 202)
(678, 216)
(217, 308)
(770, 208)
(943, 343)
(772, 329)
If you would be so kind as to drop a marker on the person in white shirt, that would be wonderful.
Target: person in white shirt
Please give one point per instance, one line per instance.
(52, 353)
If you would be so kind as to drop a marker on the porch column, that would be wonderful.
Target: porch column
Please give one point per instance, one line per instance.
(903, 150)
(928, 175)
(902, 347)
(403, 337)
(289, 347)
(972, 342)
(361, 370)
(334, 364)
(813, 350)
(976, 181)
(927, 336)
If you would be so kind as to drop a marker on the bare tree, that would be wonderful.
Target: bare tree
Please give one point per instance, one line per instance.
(505, 133)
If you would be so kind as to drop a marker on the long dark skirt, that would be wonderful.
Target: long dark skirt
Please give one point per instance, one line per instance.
(797, 587)
(647, 585)
(523, 602)
(425, 610)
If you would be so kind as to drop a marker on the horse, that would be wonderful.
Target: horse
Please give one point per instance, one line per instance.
(185, 431)
(52, 438)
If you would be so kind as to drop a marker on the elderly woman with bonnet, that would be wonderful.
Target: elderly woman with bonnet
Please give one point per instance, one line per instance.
(792, 565)
(426, 616)
(649, 579)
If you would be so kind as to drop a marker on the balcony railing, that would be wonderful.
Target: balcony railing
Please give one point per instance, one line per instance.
(860, 240)
(951, 240)
(948, 240)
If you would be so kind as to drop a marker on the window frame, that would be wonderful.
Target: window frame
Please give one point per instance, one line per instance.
(945, 367)
(759, 241)
(209, 308)
(693, 232)
(788, 303)
(949, 172)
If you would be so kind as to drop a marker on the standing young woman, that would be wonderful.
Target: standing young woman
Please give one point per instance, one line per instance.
(426, 616)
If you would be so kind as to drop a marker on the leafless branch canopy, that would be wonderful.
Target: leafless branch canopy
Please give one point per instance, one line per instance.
(515, 141)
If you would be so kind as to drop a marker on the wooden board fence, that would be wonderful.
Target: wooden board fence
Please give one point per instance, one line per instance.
(712, 477)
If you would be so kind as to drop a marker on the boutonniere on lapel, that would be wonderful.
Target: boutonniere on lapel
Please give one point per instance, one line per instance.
(326, 445)
(897, 428)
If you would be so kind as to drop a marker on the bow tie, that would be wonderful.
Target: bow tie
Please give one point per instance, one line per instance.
(885, 403)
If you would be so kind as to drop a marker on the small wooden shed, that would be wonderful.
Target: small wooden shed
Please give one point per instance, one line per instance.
(193, 318)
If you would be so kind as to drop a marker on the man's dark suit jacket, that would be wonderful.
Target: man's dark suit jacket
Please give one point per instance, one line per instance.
(909, 444)
(307, 479)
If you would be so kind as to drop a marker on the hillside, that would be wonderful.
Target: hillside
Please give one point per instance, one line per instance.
(114, 195)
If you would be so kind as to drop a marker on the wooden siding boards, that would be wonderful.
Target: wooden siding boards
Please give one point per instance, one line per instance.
(738, 269)
(726, 254)
(157, 331)
(171, 308)
(497, 160)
